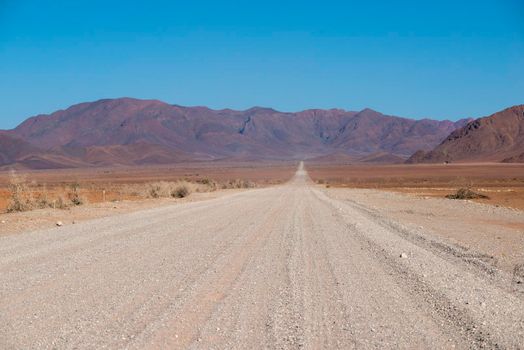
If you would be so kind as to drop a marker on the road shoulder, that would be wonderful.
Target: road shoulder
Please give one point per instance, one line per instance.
(14, 223)
(495, 232)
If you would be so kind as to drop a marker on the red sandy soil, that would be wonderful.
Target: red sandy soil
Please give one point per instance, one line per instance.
(502, 183)
(94, 181)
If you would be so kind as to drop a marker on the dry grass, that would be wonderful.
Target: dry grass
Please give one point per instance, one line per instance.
(466, 193)
(25, 196)
(238, 183)
(21, 198)
(97, 185)
(165, 189)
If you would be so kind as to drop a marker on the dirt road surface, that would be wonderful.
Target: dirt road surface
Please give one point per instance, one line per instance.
(286, 267)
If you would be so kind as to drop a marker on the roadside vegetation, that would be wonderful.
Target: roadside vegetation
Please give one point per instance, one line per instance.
(24, 195)
(466, 193)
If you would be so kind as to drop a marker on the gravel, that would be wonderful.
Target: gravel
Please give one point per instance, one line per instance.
(286, 267)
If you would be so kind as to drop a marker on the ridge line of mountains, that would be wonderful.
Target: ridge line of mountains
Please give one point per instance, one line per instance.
(127, 131)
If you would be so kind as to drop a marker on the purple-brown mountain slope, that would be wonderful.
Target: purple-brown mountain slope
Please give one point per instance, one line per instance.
(25, 155)
(128, 131)
(499, 137)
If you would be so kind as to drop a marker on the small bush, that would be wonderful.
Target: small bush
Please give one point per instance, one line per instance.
(74, 195)
(21, 197)
(238, 183)
(25, 197)
(466, 193)
(207, 185)
(43, 200)
(164, 189)
(159, 190)
(181, 190)
(60, 202)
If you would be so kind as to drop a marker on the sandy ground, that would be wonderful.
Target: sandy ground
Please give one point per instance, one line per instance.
(285, 267)
(494, 233)
(18, 222)
(502, 183)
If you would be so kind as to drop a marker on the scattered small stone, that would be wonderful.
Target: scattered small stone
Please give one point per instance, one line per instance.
(403, 255)
(59, 223)
(3, 221)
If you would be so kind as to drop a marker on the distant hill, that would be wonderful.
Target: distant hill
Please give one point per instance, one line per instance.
(382, 158)
(25, 155)
(335, 158)
(498, 137)
(128, 131)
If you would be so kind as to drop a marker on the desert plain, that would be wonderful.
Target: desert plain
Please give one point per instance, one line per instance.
(356, 260)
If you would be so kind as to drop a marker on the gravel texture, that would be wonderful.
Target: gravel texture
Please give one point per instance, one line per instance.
(286, 267)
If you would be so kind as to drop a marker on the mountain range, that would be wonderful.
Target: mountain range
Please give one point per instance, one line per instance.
(496, 138)
(126, 131)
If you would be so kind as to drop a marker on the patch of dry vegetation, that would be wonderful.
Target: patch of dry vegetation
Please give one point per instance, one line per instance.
(238, 183)
(466, 193)
(23, 196)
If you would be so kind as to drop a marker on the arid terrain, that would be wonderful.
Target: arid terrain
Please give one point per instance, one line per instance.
(280, 175)
(502, 183)
(348, 268)
(117, 190)
(123, 183)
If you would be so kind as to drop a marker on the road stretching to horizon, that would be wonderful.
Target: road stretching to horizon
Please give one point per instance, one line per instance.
(284, 267)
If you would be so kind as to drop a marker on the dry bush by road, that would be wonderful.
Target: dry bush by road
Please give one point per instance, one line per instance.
(238, 183)
(23, 197)
(466, 193)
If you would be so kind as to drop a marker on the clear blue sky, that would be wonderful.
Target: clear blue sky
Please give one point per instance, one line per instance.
(439, 59)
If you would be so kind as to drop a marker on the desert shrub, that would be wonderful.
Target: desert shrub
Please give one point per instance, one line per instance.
(170, 189)
(25, 197)
(466, 193)
(43, 200)
(74, 195)
(164, 189)
(159, 189)
(181, 190)
(206, 185)
(21, 198)
(60, 202)
(238, 183)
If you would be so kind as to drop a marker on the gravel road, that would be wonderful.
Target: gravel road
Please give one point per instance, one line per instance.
(285, 267)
